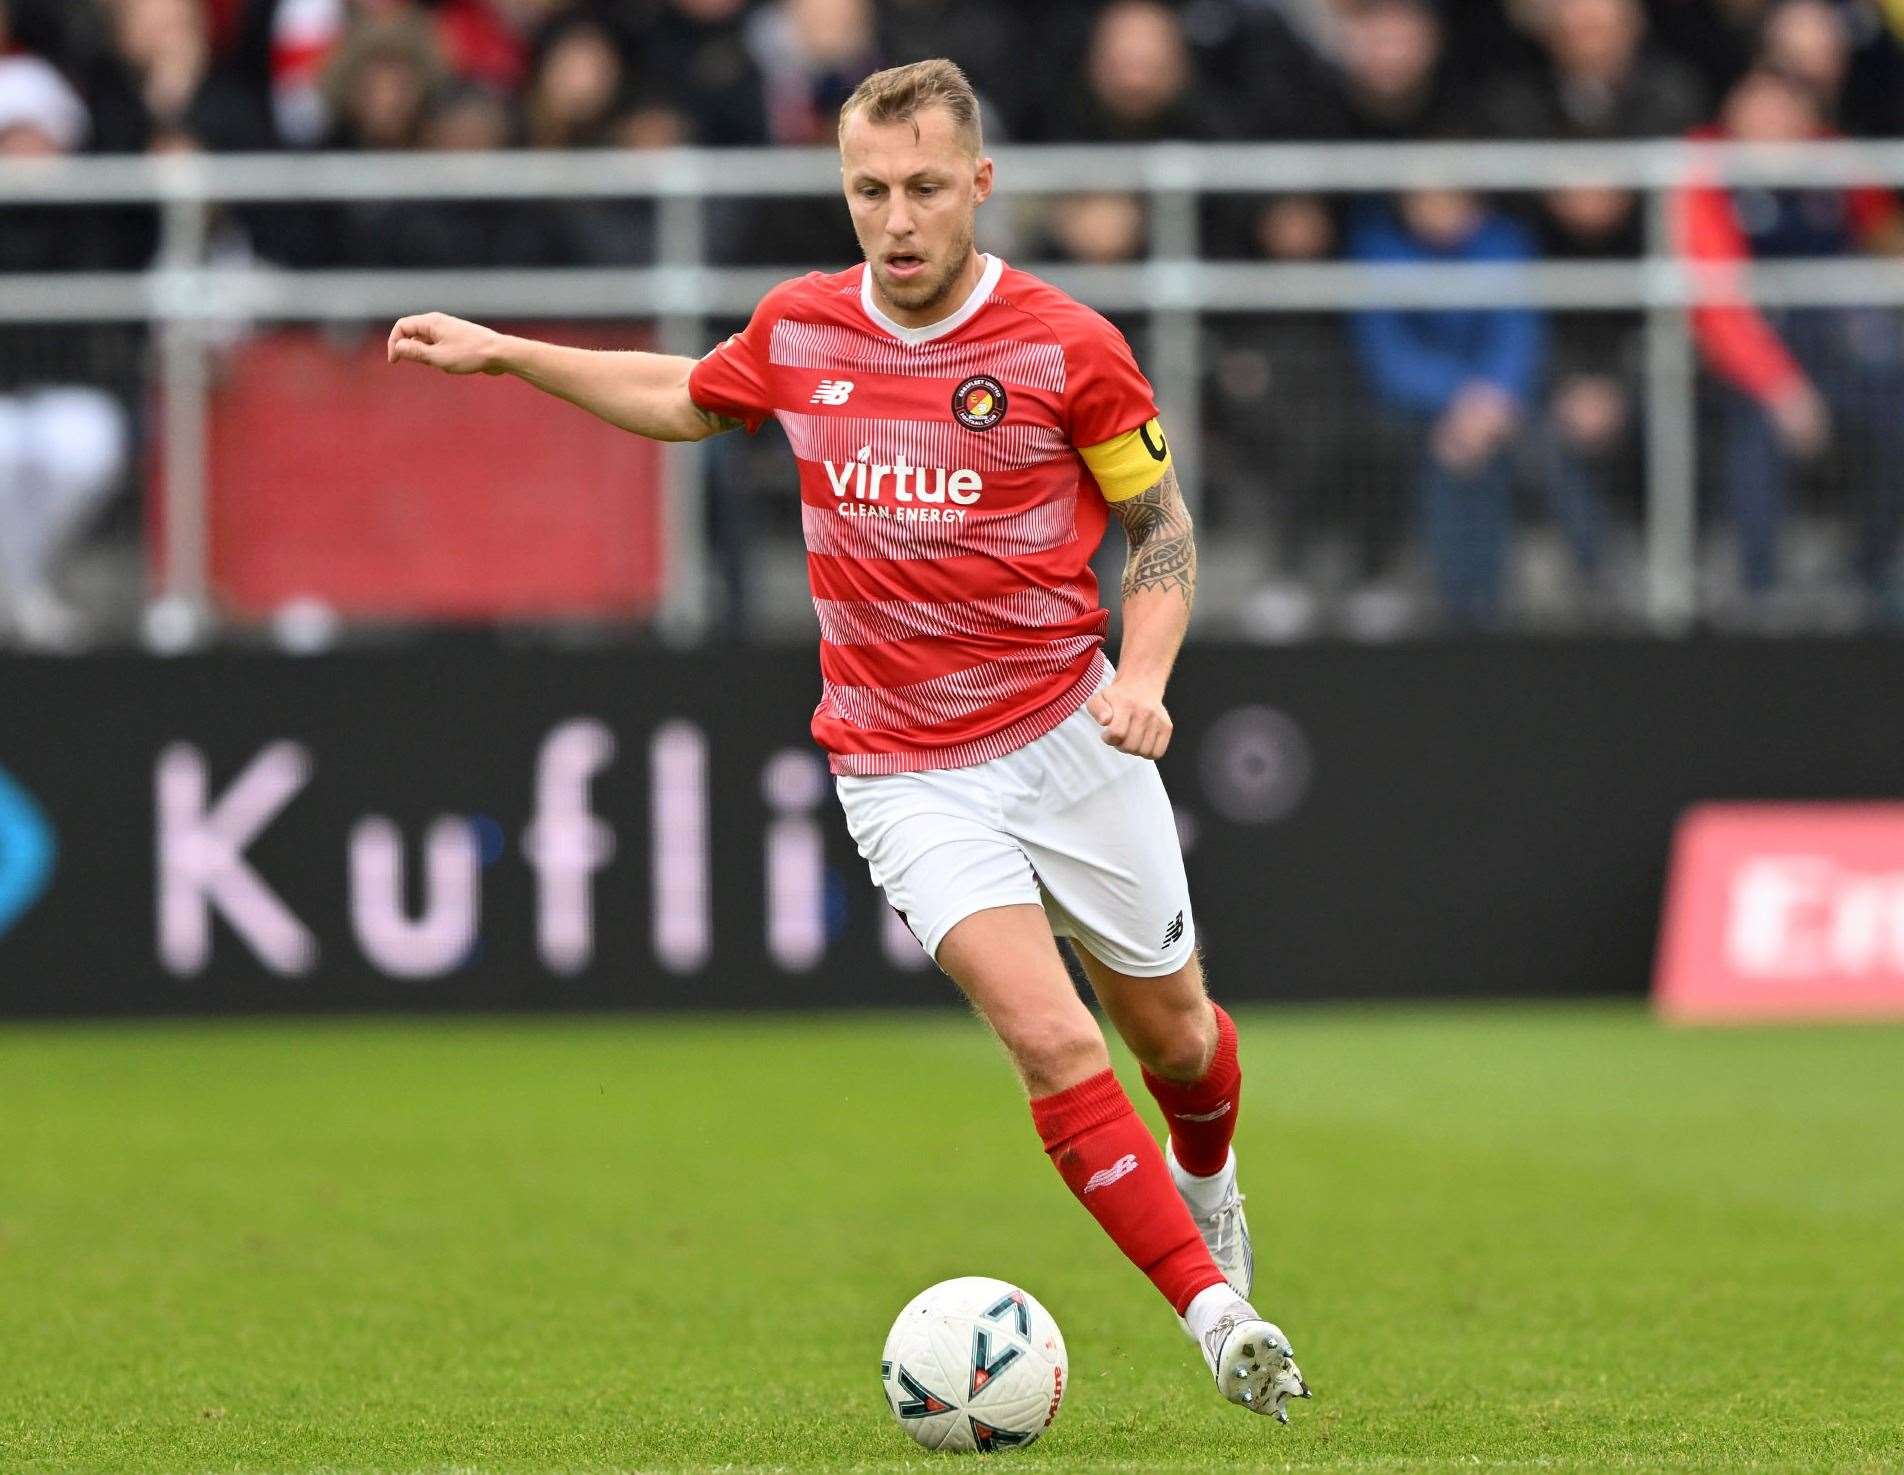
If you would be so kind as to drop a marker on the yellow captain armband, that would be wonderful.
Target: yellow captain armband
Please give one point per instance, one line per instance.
(1129, 463)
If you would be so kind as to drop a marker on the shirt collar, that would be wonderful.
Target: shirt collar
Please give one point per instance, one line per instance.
(963, 314)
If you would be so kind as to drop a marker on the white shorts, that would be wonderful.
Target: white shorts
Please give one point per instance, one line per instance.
(1066, 822)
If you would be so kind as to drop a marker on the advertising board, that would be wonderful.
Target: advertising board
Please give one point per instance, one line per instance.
(461, 825)
(1777, 911)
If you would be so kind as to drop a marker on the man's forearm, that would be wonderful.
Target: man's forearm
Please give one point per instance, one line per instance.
(1160, 582)
(642, 392)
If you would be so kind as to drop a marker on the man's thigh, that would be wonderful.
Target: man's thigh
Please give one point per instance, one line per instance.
(1006, 962)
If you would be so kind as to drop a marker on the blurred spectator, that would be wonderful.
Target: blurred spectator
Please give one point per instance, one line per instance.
(1599, 79)
(382, 81)
(167, 49)
(1099, 230)
(811, 55)
(295, 42)
(1137, 84)
(577, 81)
(1798, 378)
(696, 55)
(1809, 40)
(1392, 84)
(1845, 55)
(1456, 382)
(1582, 447)
(491, 41)
(63, 440)
(1265, 64)
(1287, 452)
(650, 125)
(383, 86)
(40, 115)
(469, 118)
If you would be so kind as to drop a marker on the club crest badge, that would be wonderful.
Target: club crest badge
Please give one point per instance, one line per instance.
(979, 403)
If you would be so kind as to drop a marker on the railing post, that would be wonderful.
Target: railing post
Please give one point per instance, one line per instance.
(183, 612)
(1672, 467)
(683, 616)
(1176, 342)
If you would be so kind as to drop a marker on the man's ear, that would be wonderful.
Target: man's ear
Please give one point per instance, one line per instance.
(982, 182)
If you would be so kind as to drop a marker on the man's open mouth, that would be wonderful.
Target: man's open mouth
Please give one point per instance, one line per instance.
(905, 264)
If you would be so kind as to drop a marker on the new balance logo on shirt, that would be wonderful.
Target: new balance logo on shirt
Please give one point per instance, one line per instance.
(1174, 931)
(832, 392)
(1105, 1177)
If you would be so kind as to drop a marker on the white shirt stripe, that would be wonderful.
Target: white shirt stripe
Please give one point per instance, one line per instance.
(875, 621)
(934, 444)
(959, 693)
(835, 349)
(1010, 535)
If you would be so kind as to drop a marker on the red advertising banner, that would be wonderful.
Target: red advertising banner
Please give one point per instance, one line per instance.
(1780, 911)
(399, 493)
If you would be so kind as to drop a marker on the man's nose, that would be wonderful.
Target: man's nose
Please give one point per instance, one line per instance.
(898, 220)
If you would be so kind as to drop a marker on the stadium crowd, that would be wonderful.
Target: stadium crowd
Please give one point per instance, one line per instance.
(1390, 431)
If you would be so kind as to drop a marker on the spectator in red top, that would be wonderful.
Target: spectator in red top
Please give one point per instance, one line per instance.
(1798, 378)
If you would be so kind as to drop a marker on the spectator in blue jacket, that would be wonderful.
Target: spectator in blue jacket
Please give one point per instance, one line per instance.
(1458, 380)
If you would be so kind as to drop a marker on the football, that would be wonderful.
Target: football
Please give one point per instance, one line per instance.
(974, 1364)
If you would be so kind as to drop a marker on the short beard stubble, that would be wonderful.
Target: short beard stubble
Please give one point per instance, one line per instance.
(920, 296)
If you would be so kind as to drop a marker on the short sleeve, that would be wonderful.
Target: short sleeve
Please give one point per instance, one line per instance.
(1108, 394)
(731, 378)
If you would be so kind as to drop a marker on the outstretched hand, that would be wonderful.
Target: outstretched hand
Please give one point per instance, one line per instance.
(1134, 722)
(442, 342)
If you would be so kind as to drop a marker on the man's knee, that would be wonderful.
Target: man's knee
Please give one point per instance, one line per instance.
(1179, 1047)
(1054, 1054)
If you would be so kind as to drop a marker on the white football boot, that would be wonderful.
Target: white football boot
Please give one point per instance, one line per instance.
(1251, 1361)
(1217, 1208)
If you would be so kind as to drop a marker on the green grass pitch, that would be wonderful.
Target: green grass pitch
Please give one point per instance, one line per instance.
(1501, 1238)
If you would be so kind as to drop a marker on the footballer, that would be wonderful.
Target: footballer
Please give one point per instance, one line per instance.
(965, 433)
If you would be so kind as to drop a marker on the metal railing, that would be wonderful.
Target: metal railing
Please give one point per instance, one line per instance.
(190, 301)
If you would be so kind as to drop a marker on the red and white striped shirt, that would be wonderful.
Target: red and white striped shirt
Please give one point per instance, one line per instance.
(950, 517)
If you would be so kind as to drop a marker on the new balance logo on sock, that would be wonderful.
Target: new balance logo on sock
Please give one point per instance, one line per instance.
(1174, 930)
(1203, 1116)
(1105, 1177)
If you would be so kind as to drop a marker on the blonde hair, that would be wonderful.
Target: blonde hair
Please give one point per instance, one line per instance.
(897, 94)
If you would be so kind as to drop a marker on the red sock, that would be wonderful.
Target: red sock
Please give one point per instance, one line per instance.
(1202, 1114)
(1107, 1157)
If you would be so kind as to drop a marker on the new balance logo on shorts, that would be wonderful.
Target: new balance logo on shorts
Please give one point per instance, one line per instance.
(1174, 930)
(1105, 1177)
(832, 392)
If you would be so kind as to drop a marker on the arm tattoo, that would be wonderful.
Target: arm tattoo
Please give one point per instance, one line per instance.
(1163, 549)
(716, 424)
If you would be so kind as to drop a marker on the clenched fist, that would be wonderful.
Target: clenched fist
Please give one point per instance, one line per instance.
(447, 343)
(1134, 721)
